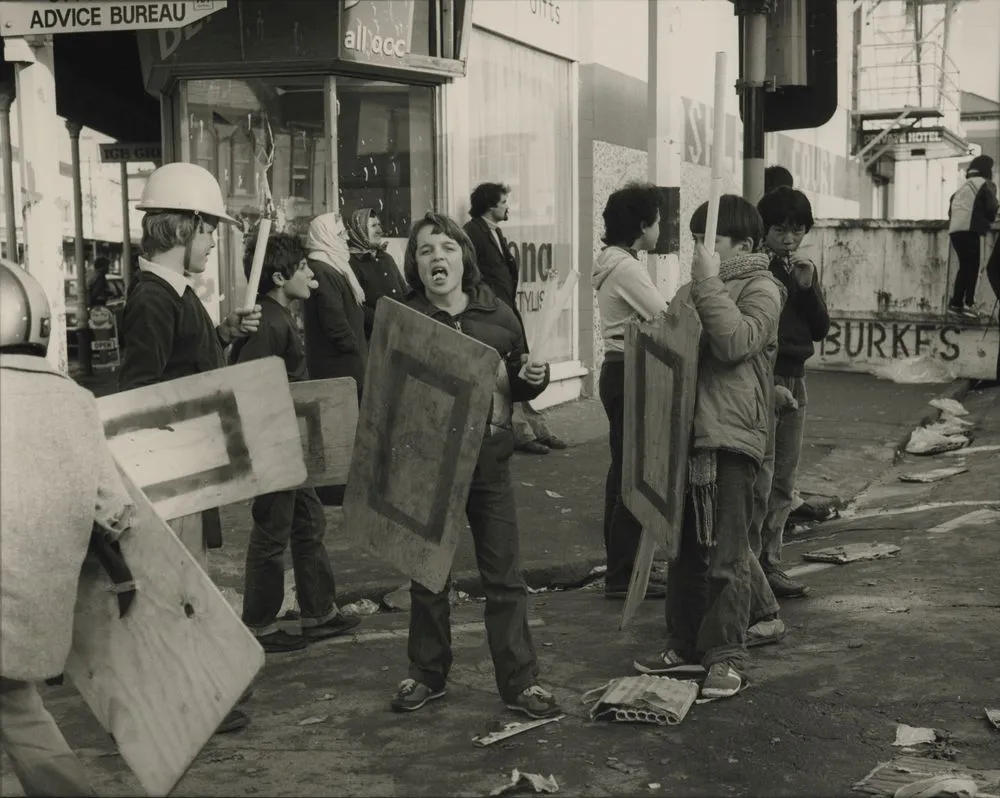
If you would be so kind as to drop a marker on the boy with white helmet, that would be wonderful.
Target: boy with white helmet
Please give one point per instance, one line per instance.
(58, 485)
(166, 331)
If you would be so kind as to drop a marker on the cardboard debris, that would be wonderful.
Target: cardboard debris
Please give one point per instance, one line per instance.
(501, 731)
(852, 552)
(913, 735)
(928, 440)
(993, 716)
(537, 783)
(934, 475)
(951, 407)
(939, 786)
(643, 699)
(888, 778)
(992, 447)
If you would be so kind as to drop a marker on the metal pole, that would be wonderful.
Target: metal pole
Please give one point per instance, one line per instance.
(7, 156)
(126, 232)
(754, 76)
(82, 338)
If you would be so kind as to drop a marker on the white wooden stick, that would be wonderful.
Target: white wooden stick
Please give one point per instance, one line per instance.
(718, 146)
(260, 248)
(555, 302)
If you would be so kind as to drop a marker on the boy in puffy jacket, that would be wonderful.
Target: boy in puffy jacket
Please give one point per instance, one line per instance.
(715, 580)
(971, 211)
(441, 269)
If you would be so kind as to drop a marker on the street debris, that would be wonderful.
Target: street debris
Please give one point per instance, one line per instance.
(363, 607)
(654, 785)
(916, 369)
(398, 599)
(993, 716)
(913, 735)
(499, 730)
(642, 699)
(312, 721)
(933, 440)
(934, 475)
(615, 763)
(951, 407)
(852, 552)
(528, 484)
(553, 495)
(992, 447)
(538, 783)
(916, 777)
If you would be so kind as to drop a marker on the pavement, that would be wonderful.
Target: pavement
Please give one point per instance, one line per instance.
(913, 638)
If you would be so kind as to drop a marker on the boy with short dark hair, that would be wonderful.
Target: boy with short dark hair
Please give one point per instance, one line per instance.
(294, 516)
(787, 217)
(713, 583)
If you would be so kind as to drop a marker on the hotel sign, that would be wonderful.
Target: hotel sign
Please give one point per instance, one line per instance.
(904, 137)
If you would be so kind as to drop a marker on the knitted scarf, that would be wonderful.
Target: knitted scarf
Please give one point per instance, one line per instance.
(702, 464)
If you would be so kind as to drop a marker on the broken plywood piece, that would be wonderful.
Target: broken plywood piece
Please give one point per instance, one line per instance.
(887, 778)
(428, 392)
(208, 440)
(934, 475)
(161, 679)
(501, 731)
(852, 552)
(327, 415)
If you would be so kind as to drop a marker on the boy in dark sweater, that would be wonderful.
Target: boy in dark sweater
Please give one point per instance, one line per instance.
(294, 516)
(787, 217)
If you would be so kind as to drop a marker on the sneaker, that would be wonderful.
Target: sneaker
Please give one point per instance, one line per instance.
(535, 702)
(412, 695)
(723, 681)
(764, 632)
(783, 586)
(279, 642)
(668, 663)
(339, 624)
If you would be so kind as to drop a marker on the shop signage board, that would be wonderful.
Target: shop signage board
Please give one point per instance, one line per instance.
(105, 355)
(39, 17)
(914, 137)
(131, 152)
(376, 31)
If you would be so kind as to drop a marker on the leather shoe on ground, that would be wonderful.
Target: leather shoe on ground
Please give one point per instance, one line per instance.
(234, 721)
(339, 624)
(532, 447)
(279, 642)
(784, 586)
(553, 442)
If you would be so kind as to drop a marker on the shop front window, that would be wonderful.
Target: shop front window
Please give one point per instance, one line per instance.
(527, 144)
(277, 133)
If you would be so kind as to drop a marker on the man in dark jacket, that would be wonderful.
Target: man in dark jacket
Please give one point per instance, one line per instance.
(488, 207)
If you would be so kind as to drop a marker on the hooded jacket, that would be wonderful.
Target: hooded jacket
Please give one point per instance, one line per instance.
(493, 323)
(624, 292)
(973, 207)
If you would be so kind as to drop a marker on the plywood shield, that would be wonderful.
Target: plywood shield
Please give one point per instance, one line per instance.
(327, 413)
(427, 396)
(161, 679)
(207, 440)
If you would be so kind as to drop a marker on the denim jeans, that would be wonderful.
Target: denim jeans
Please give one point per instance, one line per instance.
(287, 517)
(491, 513)
(710, 589)
(41, 758)
(622, 530)
(776, 480)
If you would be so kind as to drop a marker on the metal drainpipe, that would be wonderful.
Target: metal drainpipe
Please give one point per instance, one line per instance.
(754, 13)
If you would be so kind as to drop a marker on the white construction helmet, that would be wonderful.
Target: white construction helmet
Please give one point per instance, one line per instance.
(25, 319)
(184, 187)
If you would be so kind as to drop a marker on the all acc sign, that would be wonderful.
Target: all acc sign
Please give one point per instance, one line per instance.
(375, 31)
(36, 17)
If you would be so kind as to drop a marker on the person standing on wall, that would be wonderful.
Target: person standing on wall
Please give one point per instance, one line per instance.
(625, 291)
(488, 207)
(377, 272)
(165, 330)
(971, 211)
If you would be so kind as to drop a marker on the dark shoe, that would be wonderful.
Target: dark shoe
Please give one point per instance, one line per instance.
(532, 447)
(535, 702)
(668, 663)
(234, 721)
(412, 695)
(553, 442)
(279, 642)
(654, 590)
(339, 624)
(784, 587)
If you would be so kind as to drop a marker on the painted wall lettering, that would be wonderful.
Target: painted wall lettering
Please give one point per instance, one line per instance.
(865, 340)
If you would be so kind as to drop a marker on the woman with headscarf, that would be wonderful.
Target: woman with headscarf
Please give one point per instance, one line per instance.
(334, 319)
(372, 265)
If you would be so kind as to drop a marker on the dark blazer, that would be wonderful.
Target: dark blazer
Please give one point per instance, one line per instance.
(335, 328)
(499, 269)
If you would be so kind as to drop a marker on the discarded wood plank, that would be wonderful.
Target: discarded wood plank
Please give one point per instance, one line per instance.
(511, 729)
(208, 440)
(852, 552)
(420, 427)
(327, 414)
(161, 679)
(934, 475)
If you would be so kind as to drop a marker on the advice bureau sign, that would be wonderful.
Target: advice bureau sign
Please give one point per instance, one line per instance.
(39, 17)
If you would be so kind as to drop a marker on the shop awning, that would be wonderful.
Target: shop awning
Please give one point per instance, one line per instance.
(99, 84)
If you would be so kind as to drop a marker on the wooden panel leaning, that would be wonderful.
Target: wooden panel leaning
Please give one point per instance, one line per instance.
(427, 397)
(161, 679)
(207, 440)
(327, 414)
(661, 374)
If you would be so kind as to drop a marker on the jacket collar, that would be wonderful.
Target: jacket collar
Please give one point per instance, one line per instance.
(178, 282)
(481, 298)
